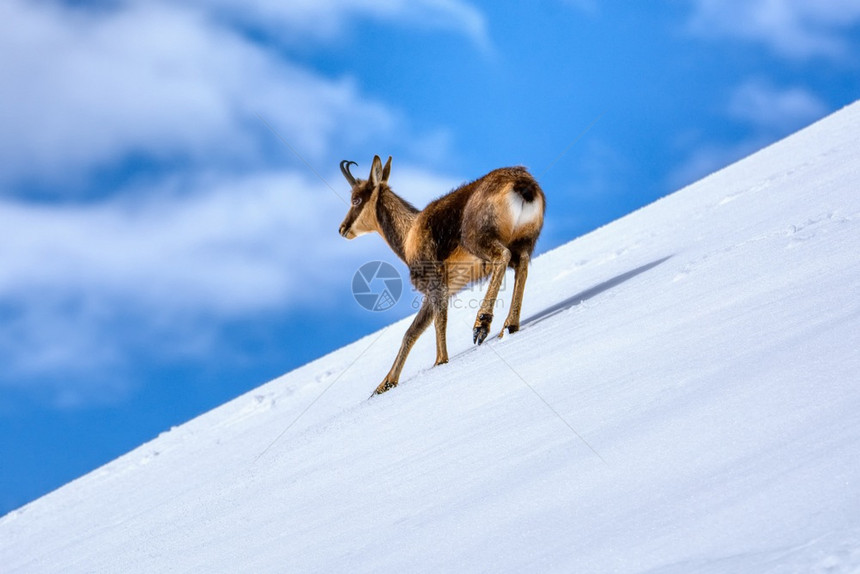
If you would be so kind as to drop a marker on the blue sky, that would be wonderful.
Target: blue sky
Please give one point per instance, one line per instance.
(164, 249)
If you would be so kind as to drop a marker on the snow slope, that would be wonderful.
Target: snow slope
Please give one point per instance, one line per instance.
(683, 397)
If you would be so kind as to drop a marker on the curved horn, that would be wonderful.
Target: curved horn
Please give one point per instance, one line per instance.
(344, 169)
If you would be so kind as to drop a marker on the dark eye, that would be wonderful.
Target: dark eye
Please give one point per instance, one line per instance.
(356, 201)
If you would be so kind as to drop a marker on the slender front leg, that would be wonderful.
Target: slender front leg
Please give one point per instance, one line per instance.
(521, 273)
(418, 326)
(441, 321)
(485, 313)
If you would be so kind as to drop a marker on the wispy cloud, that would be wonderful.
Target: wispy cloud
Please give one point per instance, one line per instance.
(221, 249)
(766, 106)
(300, 20)
(705, 158)
(86, 88)
(796, 29)
(765, 110)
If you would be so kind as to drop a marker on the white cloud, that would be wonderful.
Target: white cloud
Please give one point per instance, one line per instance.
(705, 158)
(224, 246)
(797, 29)
(86, 88)
(768, 111)
(781, 109)
(82, 89)
(325, 19)
(61, 351)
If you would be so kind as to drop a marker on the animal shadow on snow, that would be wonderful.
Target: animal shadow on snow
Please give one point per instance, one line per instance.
(590, 293)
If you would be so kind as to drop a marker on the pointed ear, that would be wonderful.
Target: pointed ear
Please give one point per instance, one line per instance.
(376, 171)
(386, 171)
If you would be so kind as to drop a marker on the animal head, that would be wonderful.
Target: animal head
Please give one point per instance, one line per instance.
(361, 217)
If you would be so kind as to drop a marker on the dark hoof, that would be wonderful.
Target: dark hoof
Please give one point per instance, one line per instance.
(509, 329)
(385, 386)
(479, 334)
(482, 328)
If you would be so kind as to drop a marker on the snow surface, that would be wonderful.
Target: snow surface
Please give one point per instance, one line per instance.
(683, 397)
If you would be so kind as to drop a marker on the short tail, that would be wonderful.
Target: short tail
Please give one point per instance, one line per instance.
(527, 188)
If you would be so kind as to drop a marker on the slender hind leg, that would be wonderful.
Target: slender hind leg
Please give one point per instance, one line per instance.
(521, 273)
(500, 259)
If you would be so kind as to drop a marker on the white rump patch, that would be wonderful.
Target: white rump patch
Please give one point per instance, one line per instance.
(523, 212)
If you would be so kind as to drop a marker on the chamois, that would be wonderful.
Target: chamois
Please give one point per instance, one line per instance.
(475, 231)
